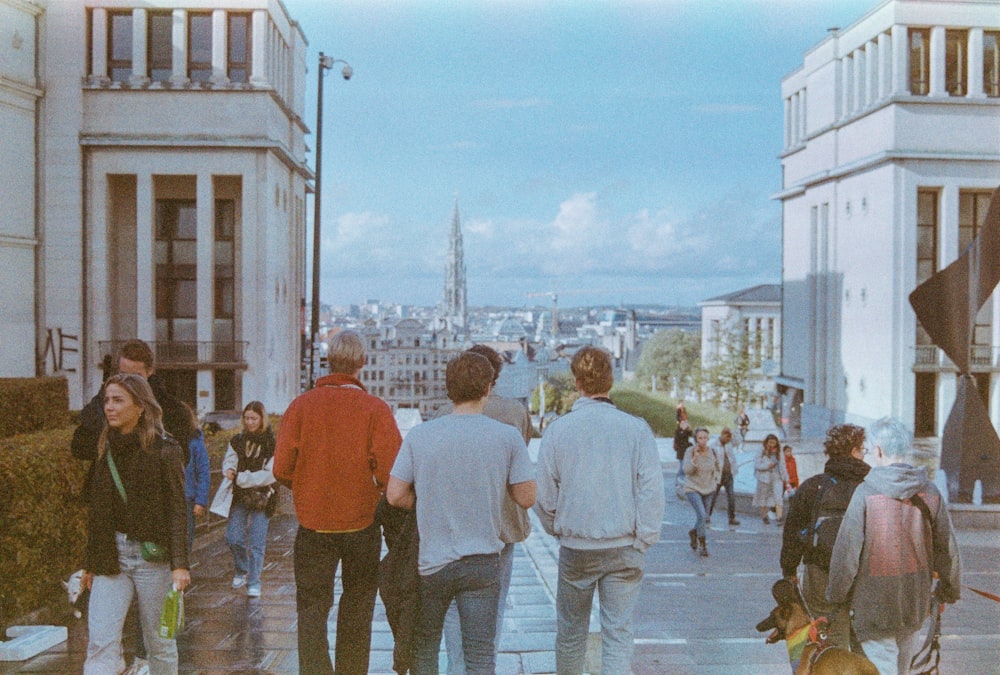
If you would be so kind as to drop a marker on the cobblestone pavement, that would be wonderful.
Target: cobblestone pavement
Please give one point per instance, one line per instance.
(695, 615)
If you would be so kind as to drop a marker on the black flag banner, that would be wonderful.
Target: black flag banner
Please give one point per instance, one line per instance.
(946, 306)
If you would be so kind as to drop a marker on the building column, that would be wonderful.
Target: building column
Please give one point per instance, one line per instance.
(220, 48)
(258, 50)
(937, 87)
(140, 35)
(976, 64)
(899, 38)
(872, 80)
(205, 275)
(847, 86)
(788, 123)
(884, 66)
(802, 116)
(99, 46)
(145, 272)
(859, 80)
(178, 76)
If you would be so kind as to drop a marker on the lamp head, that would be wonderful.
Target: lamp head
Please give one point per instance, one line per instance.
(347, 71)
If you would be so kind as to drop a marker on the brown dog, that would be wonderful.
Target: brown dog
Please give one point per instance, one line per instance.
(807, 648)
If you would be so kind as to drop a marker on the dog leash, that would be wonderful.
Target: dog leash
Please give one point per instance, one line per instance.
(982, 593)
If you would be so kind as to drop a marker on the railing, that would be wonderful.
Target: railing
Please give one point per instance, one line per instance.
(174, 354)
(981, 357)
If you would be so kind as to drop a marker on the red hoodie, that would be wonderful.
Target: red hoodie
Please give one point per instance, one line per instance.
(335, 442)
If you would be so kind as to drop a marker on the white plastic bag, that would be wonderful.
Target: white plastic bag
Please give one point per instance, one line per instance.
(223, 499)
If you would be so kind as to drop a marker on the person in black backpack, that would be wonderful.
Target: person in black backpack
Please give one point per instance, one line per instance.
(814, 515)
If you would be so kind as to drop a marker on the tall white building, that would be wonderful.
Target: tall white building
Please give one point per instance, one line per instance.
(455, 306)
(891, 150)
(154, 187)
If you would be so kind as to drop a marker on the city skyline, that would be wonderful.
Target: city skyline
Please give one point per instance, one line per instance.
(620, 152)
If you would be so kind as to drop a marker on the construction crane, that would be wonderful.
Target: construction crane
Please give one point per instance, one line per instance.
(555, 298)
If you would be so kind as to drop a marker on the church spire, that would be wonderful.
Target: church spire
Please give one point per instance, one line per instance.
(455, 307)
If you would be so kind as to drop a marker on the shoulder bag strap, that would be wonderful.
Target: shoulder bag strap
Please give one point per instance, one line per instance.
(115, 476)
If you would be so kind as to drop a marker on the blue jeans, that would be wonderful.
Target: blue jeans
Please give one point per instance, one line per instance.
(473, 583)
(246, 534)
(699, 503)
(616, 573)
(110, 598)
(453, 627)
(317, 555)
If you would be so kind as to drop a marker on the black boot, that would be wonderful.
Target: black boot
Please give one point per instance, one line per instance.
(693, 534)
(704, 549)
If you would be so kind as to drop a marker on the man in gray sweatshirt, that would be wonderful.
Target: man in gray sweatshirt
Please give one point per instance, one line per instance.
(600, 492)
(895, 537)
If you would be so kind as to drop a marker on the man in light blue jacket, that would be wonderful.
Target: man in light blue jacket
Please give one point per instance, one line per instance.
(600, 492)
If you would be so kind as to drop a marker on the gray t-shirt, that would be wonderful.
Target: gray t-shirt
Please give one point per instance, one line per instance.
(460, 467)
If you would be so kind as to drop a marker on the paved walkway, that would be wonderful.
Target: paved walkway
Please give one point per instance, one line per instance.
(695, 615)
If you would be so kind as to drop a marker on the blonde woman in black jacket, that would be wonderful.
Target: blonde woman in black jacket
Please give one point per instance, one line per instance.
(136, 457)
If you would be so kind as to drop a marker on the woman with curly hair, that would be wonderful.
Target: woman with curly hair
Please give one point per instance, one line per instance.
(772, 479)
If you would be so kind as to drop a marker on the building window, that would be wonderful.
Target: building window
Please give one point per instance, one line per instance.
(239, 47)
(225, 226)
(972, 207)
(176, 262)
(927, 227)
(161, 46)
(991, 63)
(200, 47)
(920, 61)
(956, 62)
(120, 46)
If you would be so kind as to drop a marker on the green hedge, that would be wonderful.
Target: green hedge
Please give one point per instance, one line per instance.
(42, 539)
(30, 404)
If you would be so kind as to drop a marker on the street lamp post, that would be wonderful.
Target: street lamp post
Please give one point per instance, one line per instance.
(325, 63)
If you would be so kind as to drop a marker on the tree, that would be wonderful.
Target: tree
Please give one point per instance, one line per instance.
(671, 359)
(560, 393)
(729, 369)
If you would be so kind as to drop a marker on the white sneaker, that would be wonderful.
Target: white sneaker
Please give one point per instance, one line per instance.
(253, 591)
(239, 581)
(138, 667)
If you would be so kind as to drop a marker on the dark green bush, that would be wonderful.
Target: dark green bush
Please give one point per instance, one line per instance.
(30, 404)
(42, 539)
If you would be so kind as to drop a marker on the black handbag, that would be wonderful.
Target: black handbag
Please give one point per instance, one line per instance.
(257, 499)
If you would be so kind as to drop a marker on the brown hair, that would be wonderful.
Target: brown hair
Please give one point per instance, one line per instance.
(777, 445)
(257, 407)
(842, 438)
(137, 350)
(468, 377)
(150, 424)
(591, 367)
(492, 356)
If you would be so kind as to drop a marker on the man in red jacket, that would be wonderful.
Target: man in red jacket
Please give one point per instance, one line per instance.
(335, 447)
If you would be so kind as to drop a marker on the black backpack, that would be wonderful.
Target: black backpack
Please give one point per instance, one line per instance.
(832, 499)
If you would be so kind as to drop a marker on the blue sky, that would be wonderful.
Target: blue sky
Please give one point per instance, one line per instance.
(615, 152)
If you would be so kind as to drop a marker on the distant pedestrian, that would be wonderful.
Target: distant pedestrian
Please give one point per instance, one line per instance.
(772, 479)
(455, 470)
(743, 423)
(723, 447)
(702, 472)
(896, 538)
(335, 447)
(680, 412)
(791, 467)
(197, 476)
(815, 512)
(248, 464)
(600, 493)
(514, 524)
(682, 441)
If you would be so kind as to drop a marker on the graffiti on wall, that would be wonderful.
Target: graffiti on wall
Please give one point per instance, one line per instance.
(60, 351)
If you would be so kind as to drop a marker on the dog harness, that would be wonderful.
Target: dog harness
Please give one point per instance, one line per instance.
(813, 633)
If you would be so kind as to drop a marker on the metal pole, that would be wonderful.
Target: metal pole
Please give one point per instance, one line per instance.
(314, 319)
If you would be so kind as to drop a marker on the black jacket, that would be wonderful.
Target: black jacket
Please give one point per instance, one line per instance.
(155, 510)
(399, 580)
(800, 507)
